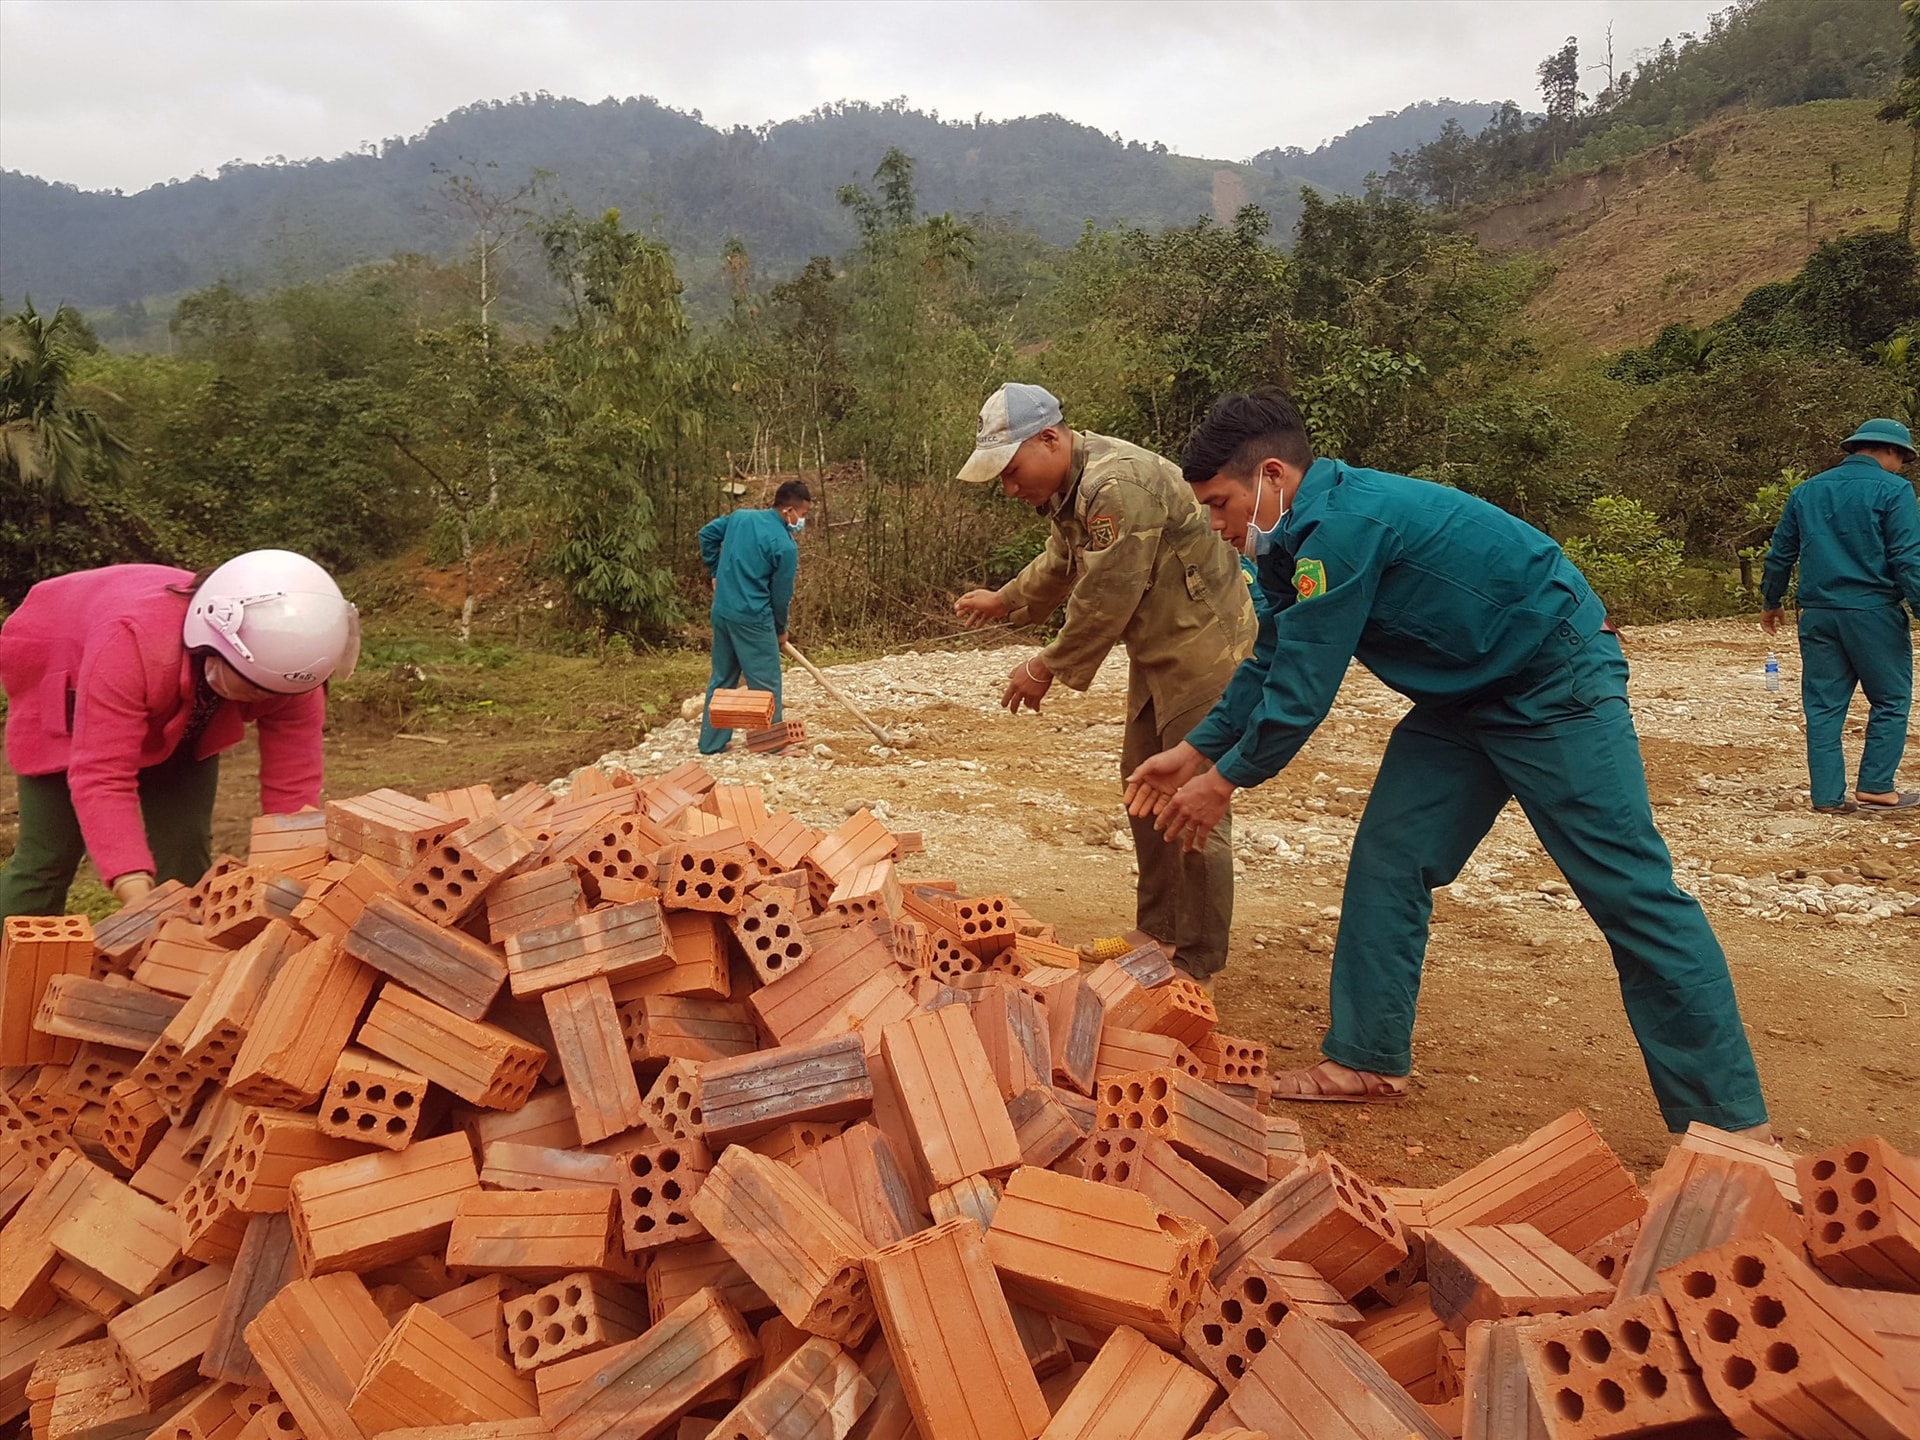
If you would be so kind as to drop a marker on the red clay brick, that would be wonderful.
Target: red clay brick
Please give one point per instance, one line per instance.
(593, 1055)
(1780, 1350)
(947, 1094)
(1563, 1180)
(426, 1372)
(537, 1234)
(1498, 1399)
(380, 1208)
(267, 1263)
(639, 1388)
(1134, 1390)
(816, 1393)
(802, 1252)
(679, 1271)
(302, 1025)
(575, 1315)
(768, 930)
(959, 1362)
(480, 1063)
(163, 1337)
(1314, 1383)
(269, 1148)
(448, 883)
(619, 943)
(1498, 1272)
(1098, 1255)
(656, 1186)
(372, 1100)
(448, 967)
(390, 827)
(1323, 1214)
(860, 1176)
(744, 1098)
(535, 899)
(1618, 1372)
(337, 897)
(1697, 1201)
(1149, 1165)
(1863, 1214)
(849, 985)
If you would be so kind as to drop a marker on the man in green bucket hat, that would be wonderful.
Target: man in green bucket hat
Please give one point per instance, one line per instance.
(1854, 531)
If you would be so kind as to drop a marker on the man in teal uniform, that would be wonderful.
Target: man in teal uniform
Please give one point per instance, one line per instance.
(1854, 531)
(1519, 691)
(751, 558)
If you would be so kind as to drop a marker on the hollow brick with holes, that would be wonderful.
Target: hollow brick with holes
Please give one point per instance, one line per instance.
(1780, 1350)
(1404, 1340)
(1151, 1167)
(767, 927)
(372, 1100)
(476, 1309)
(1697, 1201)
(679, 1027)
(1123, 1052)
(272, 1422)
(1043, 1126)
(1863, 1214)
(163, 1337)
(574, 1315)
(679, 1271)
(1313, 1381)
(82, 1391)
(656, 1185)
(1237, 1319)
(303, 1023)
(448, 883)
(112, 1012)
(741, 708)
(23, 1342)
(95, 1069)
(537, 1235)
(239, 905)
(788, 1141)
(382, 1207)
(592, 1050)
(707, 876)
(448, 967)
(269, 1148)
(848, 985)
(386, 825)
(212, 1227)
(1497, 1394)
(744, 1098)
(806, 1256)
(1499, 1272)
(1098, 1255)
(1075, 1018)
(481, 1063)
(1326, 1215)
(1134, 1390)
(1617, 1372)
(673, 1102)
(533, 899)
(1013, 1030)
(135, 1122)
(1222, 1136)
(27, 1256)
(1608, 1256)
(75, 1286)
(340, 893)
(616, 943)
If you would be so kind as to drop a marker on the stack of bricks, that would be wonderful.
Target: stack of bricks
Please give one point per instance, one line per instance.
(648, 1112)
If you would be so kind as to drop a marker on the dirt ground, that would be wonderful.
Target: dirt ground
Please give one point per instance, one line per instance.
(1520, 1016)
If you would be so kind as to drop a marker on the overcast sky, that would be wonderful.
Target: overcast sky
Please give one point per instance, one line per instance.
(125, 95)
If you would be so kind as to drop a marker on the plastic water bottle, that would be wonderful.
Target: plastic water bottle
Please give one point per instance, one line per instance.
(1773, 671)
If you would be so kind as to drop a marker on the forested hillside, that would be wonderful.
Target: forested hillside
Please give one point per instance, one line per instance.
(538, 404)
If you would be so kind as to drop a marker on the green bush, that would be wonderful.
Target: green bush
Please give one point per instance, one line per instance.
(1627, 558)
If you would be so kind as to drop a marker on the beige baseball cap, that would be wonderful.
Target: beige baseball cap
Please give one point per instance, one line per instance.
(1012, 415)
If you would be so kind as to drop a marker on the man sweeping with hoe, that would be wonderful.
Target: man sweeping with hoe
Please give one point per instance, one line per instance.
(1519, 692)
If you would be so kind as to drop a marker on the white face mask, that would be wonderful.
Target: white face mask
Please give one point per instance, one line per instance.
(1257, 542)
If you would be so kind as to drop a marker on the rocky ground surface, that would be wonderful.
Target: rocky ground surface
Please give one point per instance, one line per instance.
(1520, 1012)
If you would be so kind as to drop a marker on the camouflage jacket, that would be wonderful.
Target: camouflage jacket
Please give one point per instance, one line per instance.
(1131, 555)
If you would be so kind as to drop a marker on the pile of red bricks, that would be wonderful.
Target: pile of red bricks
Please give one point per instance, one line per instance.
(646, 1112)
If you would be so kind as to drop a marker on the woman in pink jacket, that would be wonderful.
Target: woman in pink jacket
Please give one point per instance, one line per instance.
(124, 685)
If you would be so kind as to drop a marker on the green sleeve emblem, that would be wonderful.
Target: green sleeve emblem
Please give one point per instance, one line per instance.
(1102, 531)
(1309, 578)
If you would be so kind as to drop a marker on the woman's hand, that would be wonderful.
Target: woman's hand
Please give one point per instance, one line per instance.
(132, 887)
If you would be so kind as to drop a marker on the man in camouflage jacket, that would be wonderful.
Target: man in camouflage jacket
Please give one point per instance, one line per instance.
(1135, 562)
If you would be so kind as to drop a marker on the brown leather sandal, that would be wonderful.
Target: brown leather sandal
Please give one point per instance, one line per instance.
(1316, 1085)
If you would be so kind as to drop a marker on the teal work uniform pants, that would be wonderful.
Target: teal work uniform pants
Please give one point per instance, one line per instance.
(1183, 899)
(176, 802)
(745, 650)
(1841, 649)
(1562, 743)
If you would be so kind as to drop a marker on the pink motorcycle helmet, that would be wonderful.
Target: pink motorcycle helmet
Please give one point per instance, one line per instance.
(278, 619)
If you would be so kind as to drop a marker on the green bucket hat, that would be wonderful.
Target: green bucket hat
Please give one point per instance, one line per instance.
(1881, 432)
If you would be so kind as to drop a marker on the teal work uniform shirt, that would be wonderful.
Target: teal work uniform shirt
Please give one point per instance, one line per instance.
(1854, 531)
(1444, 597)
(752, 558)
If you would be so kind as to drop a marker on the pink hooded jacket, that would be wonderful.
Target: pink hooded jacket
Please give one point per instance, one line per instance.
(99, 684)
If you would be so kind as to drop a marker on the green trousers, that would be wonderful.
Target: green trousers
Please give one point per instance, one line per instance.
(1839, 650)
(176, 802)
(1183, 899)
(1562, 743)
(745, 648)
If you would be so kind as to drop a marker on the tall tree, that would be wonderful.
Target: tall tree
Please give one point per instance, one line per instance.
(47, 438)
(1560, 88)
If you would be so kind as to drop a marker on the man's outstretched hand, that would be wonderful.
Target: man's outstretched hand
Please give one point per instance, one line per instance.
(980, 607)
(1196, 807)
(1027, 684)
(1154, 781)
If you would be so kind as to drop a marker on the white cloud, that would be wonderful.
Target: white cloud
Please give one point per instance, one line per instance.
(126, 94)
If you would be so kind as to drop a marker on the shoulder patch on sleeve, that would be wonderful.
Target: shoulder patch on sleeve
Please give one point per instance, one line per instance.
(1102, 531)
(1309, 578)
